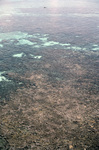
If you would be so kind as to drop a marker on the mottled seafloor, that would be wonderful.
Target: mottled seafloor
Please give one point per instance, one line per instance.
(49, 75)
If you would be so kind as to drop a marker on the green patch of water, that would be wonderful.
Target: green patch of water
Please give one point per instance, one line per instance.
(68, 47)
(37, 57)
(25, 42)
(67, 44)
(23, 38)
(14, 35)
(76, 48)
(1, 45)
(95, 45)
(19, 55)
(44, 39)
(36, 46)
(50, 43)
(95, 49)
(2, 77)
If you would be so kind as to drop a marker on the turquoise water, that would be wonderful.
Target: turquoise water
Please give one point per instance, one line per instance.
(49, 74)
(67, 25)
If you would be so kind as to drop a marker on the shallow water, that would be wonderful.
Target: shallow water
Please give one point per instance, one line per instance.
(49, 74)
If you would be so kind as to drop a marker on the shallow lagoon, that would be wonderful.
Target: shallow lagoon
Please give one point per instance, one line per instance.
(49, 74)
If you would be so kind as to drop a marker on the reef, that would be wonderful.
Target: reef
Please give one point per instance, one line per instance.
(52, 105)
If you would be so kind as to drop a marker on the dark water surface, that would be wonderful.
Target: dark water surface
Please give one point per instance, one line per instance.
(49, 74)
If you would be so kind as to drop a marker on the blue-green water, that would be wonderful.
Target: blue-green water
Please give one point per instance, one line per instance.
(49, 74)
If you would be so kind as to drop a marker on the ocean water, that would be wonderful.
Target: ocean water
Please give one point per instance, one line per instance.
(49, 74)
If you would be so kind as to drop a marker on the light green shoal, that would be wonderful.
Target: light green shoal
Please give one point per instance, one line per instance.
(2, 78)
(19, 55)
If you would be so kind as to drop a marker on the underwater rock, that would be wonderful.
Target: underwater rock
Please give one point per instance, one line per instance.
(95, 144)
(4, 145)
